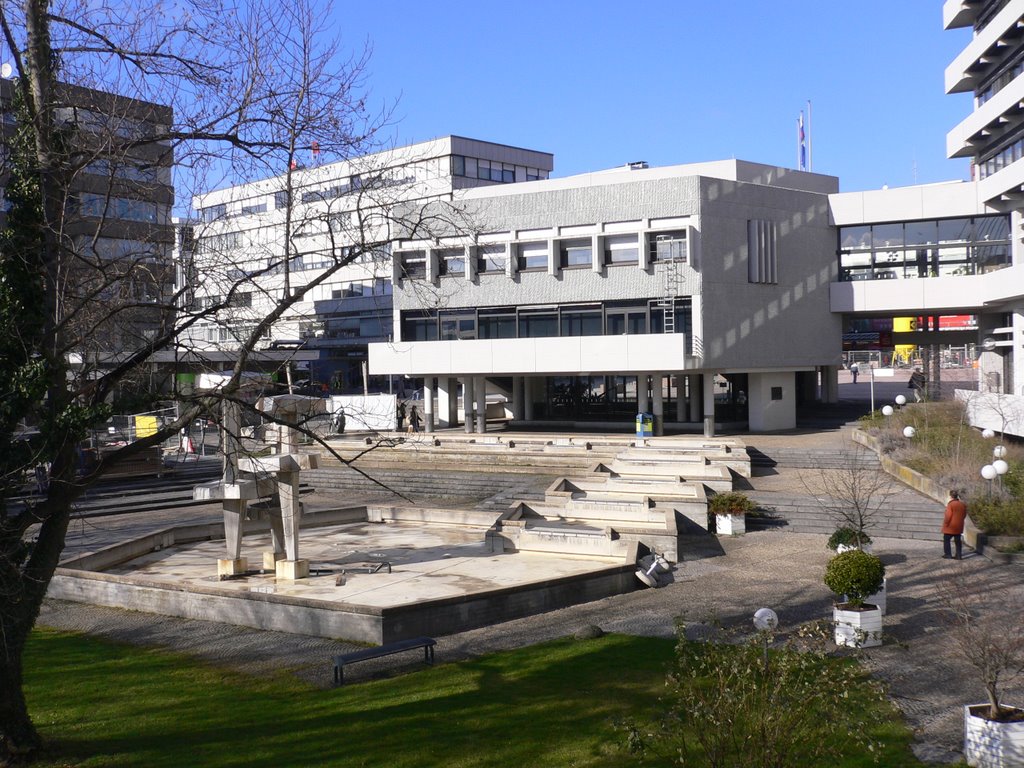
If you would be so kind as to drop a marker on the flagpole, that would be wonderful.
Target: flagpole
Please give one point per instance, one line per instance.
(810, 141)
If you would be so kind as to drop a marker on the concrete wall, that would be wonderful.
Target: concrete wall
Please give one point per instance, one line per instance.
(767, 415)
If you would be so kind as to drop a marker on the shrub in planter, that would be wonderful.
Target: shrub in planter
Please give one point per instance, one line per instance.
(731, 503)
(729, 512)
(848, 538)
(855, 574)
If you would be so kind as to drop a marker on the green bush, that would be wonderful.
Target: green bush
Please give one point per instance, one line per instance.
(730, 503)
(855, 574)
(998, 516)
(848, 537)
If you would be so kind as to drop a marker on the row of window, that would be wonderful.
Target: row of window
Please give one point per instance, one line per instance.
(124, 170)
(1004, 157)
(976, 229)
(120, 208)
(924, 262)
(1002, 80)
(573, 253)
(597, 319)
(492, 170)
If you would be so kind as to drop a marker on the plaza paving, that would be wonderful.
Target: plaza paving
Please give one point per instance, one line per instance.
(924, 675)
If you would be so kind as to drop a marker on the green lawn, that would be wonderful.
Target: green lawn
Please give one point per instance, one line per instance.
(101, 704)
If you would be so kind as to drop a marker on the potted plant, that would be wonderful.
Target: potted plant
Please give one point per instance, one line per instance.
(730, 510)
(845, 538)
(989, 635)
(855, 575)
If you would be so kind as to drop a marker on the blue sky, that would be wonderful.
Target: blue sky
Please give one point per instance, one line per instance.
(602, 83)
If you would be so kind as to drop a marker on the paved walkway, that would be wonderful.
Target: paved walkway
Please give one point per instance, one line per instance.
(781, 570)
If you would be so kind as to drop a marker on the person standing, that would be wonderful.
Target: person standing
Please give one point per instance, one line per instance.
(400, 416)
(918, 383)
(414, 420)
(854, 371)
(953, 525)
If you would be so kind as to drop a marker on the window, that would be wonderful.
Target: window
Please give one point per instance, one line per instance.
(213, 212)
(458, 325)
(621, 249)
(123, 170)
(491, 259)
(413, 264)
(123, 208)
(497, 323)
(537, 323)
(532, 256)
(668, 246)
(451, 262)
(575, 253)
(418, 327)
(281, 199)
(253, 209)
(581, 322)
(762, 264)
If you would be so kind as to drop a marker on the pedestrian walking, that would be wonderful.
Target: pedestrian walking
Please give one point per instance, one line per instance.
(414, 420)
(854, 371)
(953, 526)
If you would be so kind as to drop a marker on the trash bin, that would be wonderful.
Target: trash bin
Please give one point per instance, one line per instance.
(644, 425)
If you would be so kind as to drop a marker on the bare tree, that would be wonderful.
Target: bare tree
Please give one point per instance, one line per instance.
(855, 494)
(987, 630)
(106, 99)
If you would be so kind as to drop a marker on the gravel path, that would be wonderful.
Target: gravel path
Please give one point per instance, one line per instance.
(771, 568)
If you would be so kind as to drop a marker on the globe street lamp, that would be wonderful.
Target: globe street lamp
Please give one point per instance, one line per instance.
(901, 400)
(887, 410)
(909, 432)
(765, 622)
(989, 472)
(987, 434)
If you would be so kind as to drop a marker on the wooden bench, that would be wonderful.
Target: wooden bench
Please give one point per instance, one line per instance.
(399, 646)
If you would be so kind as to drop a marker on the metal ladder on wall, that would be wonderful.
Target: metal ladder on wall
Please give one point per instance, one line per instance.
(671, 252)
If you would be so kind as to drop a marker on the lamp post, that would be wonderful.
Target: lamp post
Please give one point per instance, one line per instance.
(989, 472)
(765, 622)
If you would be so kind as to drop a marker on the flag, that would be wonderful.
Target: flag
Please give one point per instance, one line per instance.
(801, 143)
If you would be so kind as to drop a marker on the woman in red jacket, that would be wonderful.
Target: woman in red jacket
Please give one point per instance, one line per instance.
(953, 525)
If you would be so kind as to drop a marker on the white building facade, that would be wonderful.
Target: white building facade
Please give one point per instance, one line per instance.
(696, 293)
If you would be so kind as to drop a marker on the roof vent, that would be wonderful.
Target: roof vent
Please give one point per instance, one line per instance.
(639, 165)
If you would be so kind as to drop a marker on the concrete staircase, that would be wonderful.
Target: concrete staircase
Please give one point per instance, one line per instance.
(906, 515)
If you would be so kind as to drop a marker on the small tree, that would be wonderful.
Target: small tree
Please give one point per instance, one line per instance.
(855, 494)
(988, 633)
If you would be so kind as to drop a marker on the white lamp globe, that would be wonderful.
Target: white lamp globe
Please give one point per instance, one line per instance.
(909, 431)
(987, 433)
(999, 451)
(887, 410)
(765, 619)
(1001, 467)
(988, 472)
(901, 400)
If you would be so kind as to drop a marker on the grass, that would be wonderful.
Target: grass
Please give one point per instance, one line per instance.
(103, 704)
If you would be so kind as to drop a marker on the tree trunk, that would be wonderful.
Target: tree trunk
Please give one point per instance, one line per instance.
(19, 740)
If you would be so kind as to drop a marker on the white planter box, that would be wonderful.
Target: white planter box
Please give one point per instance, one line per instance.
(988, 744)
(857, 629)
(877, 599)
(730, 525)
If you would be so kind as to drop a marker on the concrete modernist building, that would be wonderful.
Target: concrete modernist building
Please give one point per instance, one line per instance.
(329, 213)
(696, 292)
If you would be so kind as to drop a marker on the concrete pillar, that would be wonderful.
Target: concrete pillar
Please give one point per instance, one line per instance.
(709, 404)
(528, 398)
(681, 397)
(467, 402)
(291, 567)
(481, 404)
(428, 404)
(694, 398)
(657, 389)
(830, 383)
(233, 510)
(642, 402)
(517, 398)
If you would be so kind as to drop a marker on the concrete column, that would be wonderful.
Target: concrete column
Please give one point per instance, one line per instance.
(428, 404)
(467, 402)
(642, 402)
(830, 384)
(681, 397)
(291, 567)
(481, 404)
(658, 390)
(528, 398)
(694, 398)
(453, 401)
(709, 404)
(517, 398)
